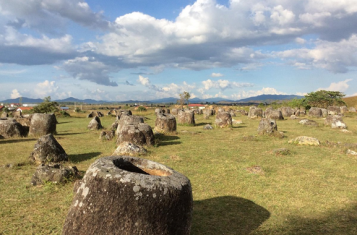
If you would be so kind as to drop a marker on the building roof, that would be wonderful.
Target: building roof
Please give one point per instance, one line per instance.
(24, 108)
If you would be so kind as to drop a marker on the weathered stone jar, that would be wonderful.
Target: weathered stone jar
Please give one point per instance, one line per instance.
(42, 124)
(165, 123)
(129, 195)
(186, 117)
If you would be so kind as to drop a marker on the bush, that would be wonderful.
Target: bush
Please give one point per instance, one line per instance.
(62, 113)
(141, 108)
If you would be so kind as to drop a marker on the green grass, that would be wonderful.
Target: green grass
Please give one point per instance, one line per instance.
(311, 190)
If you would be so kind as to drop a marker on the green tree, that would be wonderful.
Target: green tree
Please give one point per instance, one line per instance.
(141, 108)
(47, 99)
(295, 103)
(47, 106)
(323, 99)
(184, 97)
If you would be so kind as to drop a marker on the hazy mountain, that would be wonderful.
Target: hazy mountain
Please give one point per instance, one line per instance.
(24, 100)
(265, 98)
(260, 98)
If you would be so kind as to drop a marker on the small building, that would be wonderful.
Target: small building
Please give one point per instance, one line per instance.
(64, 108)
(13, 105)
(24, 108)
(195, 106)
(1, 107)
(29, 105)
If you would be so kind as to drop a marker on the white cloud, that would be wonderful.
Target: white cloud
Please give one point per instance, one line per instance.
(282, 16)
(337, 86)
(45, 88)
(89, 68)
(252, 93)
(221, 95)
(15, 94)
(168, 90)
(215, 75)
(300, 40)
(333, 56)
(301, 93)
(49, 15)
(223, 84)
(146, 82)
(204, 35)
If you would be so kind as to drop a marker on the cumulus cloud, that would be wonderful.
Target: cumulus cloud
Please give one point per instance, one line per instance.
(204, 35)
(46, 16)
(168, 90)
(333, 56)
(215, 75)
(146, 82)
(223, 84)
(338, 86)
(88, 68)
(45, 88)
(252, 93)
(20, 48)
(15, 94)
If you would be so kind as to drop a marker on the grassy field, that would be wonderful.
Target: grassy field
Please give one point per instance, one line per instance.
(311, 190)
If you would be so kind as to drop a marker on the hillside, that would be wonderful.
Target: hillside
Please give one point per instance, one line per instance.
(254, 99)
(351, 101)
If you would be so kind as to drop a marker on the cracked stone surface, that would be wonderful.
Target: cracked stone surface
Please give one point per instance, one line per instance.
(130, 195)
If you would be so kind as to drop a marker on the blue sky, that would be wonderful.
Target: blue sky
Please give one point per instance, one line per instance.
(141, 50)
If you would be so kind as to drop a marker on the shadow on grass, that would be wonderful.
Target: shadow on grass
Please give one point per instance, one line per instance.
(170, 143)
(83, 157)
(340, 222)
(164, 140)
(78, 133)
(227, 215)
(9, 141)
(63, 122)
(241, 126)
(203, 123)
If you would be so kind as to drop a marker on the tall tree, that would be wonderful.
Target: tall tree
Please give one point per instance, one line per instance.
(47, 106)
(323, 99)
(184, 97)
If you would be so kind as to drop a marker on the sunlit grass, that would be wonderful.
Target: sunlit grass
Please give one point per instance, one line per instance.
(311, 190)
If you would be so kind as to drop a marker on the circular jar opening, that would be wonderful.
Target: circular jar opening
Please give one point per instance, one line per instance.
(142, 166)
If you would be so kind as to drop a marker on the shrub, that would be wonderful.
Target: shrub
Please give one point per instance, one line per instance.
(141, 108)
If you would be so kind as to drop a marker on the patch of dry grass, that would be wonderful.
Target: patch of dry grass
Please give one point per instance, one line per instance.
(351, 101)
(311, 190)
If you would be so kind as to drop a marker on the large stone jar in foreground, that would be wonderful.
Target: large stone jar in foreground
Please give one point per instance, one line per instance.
(42, 124)
(129, 195)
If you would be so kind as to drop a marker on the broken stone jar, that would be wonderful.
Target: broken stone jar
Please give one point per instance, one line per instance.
(129, 195)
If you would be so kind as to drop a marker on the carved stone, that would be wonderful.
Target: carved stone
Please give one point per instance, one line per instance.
(129, 195)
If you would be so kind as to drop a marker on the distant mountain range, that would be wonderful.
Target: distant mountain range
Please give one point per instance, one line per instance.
(255, 99)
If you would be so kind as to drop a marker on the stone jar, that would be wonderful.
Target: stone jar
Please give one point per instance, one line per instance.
(165, 123)
(129, 195)
(128, 120)
(42, 124)
(315, 112)
(223, 119)
(11, 128)
(186, 117)
(267, 126)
